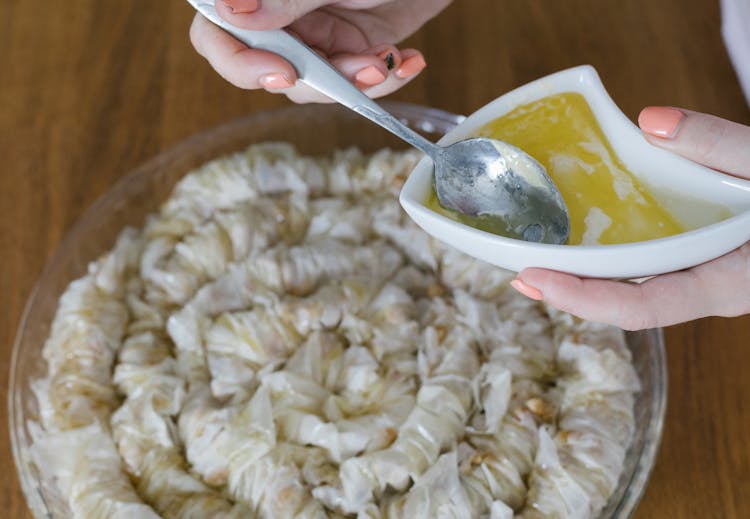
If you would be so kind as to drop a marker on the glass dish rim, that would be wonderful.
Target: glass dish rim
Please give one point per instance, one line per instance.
(419, 117)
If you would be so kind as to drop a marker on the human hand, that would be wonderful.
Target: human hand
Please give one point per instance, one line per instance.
(357, 37)
(720, 287)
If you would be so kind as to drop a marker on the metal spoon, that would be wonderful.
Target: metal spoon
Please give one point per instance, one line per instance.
(477, 177)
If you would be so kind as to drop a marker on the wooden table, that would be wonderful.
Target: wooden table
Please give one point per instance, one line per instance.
(91, 89)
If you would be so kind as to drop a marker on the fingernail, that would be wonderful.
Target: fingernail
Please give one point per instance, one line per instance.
(389, 58)
(242, 6)
(369, 76)
(275, 81)
(660, 121)
(411, 66)
(527, 290)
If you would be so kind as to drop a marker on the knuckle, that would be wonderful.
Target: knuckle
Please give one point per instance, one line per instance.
(731, 273)
(639, 313)
(711, 137)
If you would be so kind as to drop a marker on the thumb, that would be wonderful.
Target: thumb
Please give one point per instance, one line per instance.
(709, 140)
(265, 14)
(719, 287)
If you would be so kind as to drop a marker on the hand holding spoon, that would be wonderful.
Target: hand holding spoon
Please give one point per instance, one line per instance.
(477, 177)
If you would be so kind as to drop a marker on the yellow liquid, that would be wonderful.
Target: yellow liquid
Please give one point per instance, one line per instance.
(605, 201)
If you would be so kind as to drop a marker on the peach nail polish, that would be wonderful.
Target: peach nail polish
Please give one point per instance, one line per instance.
(660, 121)
(411, 66)
(275, 81)
(369, 76)
(527, 290)
(242, 6)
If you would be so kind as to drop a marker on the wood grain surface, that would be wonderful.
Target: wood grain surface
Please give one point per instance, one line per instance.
(91, 89)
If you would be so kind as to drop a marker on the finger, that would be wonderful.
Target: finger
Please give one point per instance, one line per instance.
(706, 139)
(410, 67)
(265, 14)
(252, 68)
(719, 287)
(362, 70)
(657, 302)
(241, 66)
(368, 72)
(413, 63)
(388, 54)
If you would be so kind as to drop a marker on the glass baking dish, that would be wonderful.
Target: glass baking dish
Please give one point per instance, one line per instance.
(313, 129)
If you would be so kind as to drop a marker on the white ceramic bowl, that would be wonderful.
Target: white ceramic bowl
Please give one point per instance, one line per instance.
(661, 171)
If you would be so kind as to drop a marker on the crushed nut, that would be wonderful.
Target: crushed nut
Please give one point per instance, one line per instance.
(390, 434)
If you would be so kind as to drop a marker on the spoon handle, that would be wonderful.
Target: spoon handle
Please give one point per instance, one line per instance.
(318, 74)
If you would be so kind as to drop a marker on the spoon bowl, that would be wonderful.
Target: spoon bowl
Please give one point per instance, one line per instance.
(494, 179)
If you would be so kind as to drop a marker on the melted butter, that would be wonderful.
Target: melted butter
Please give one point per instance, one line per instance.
(487, 223)
(607, 204)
